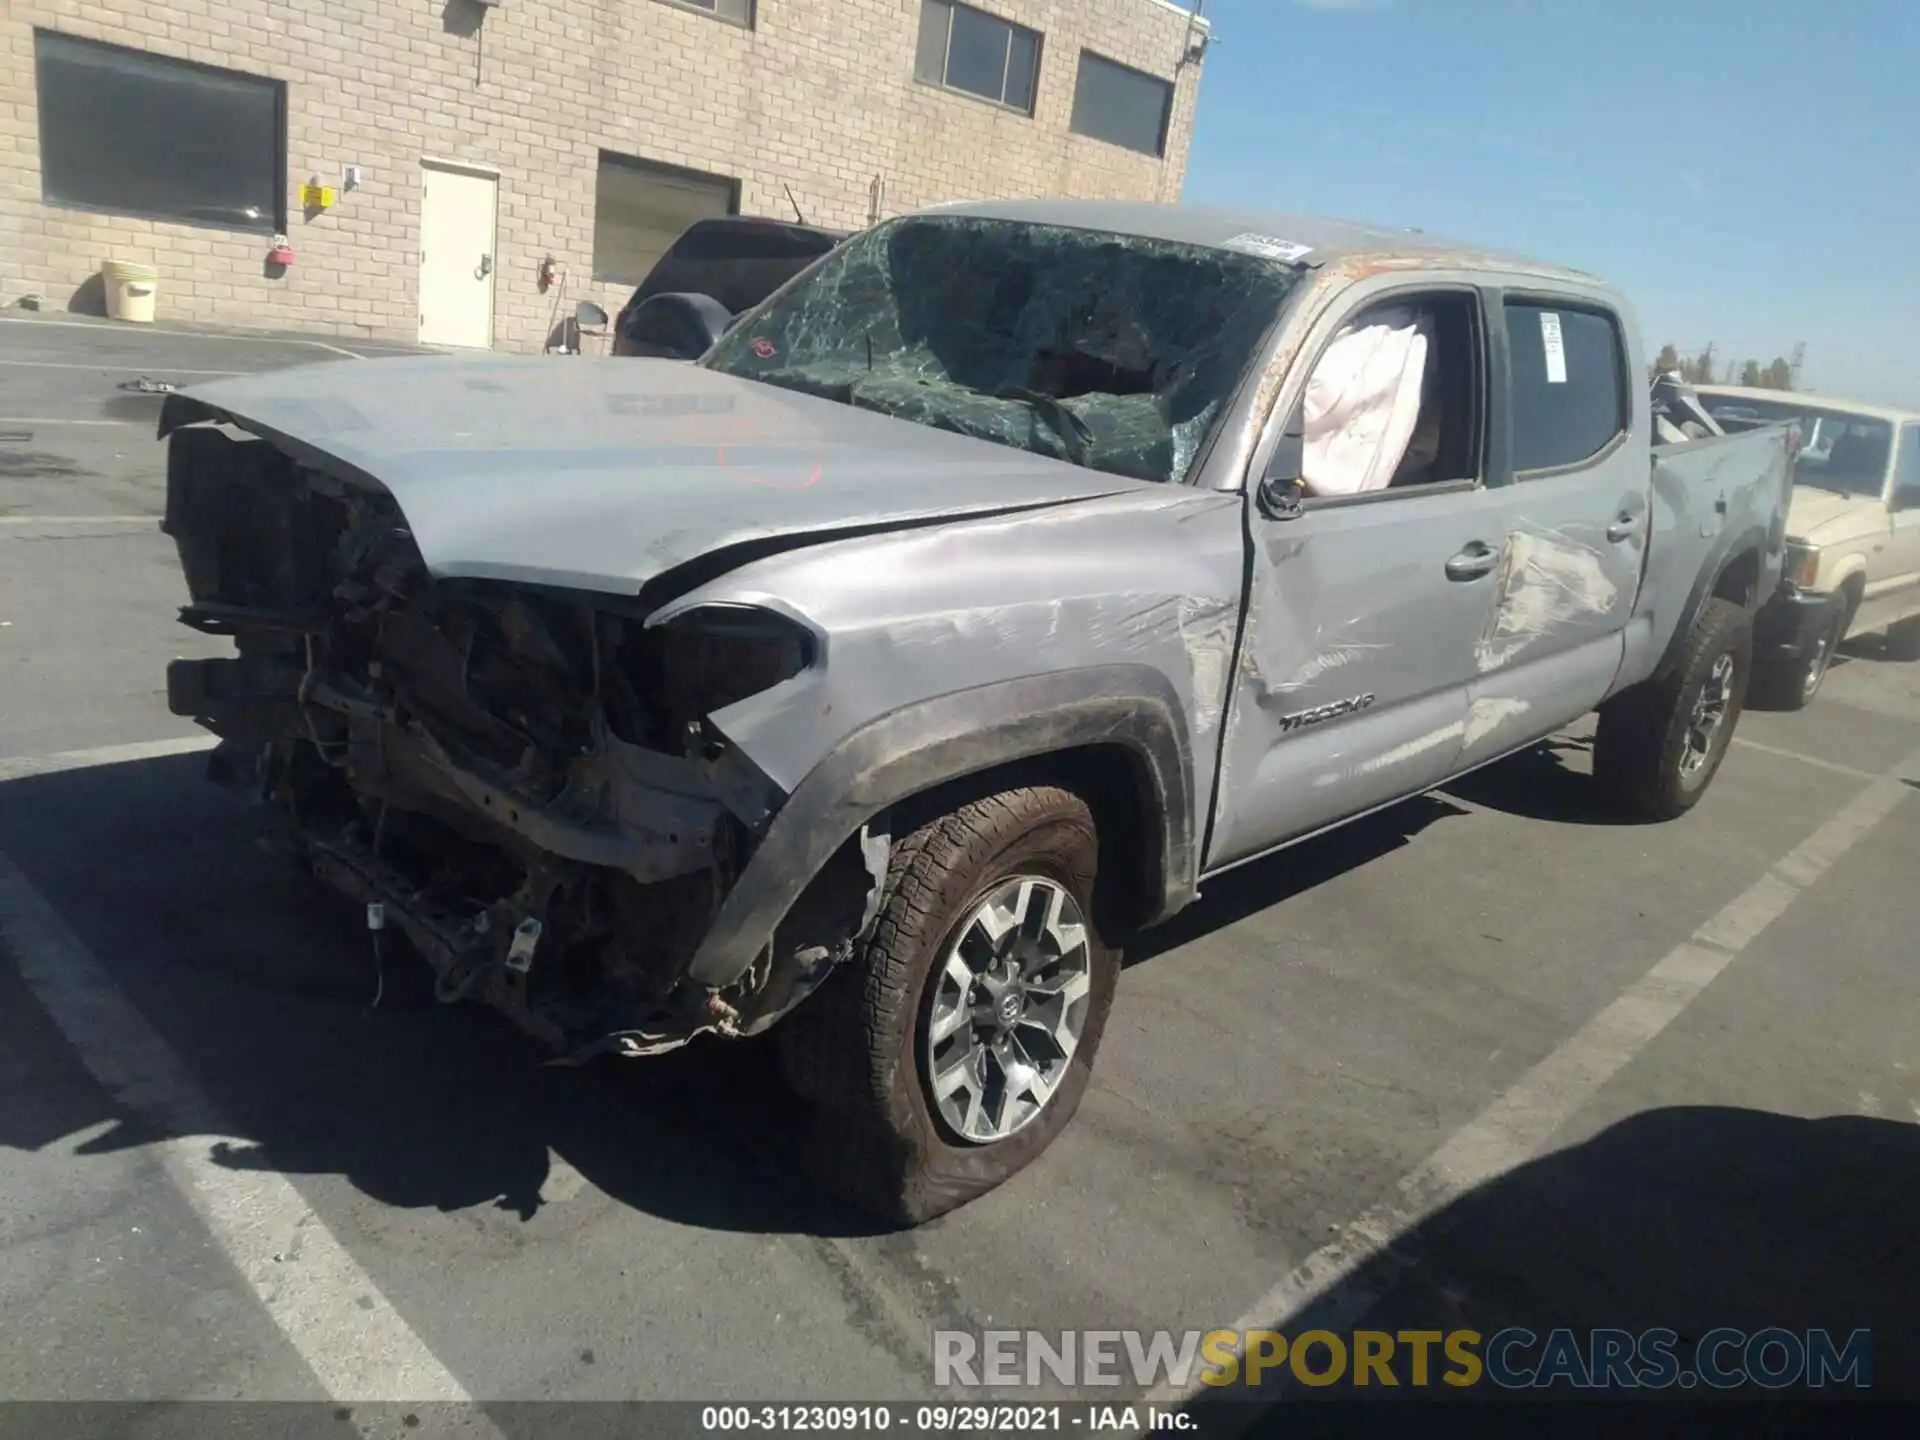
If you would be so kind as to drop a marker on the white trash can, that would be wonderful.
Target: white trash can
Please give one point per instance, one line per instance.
(130, 290)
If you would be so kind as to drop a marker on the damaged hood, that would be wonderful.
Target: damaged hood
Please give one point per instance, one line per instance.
(602, 474)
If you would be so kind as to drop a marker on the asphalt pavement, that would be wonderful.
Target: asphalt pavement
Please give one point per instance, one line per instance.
(1487, 1058)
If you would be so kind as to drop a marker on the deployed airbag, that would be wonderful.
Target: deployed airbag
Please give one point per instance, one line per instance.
(1363, 401)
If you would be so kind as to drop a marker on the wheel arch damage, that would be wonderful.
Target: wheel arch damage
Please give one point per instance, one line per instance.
(1119, 730)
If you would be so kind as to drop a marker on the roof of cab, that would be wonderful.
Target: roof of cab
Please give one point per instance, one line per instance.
(1812, 402)
(1326, 238)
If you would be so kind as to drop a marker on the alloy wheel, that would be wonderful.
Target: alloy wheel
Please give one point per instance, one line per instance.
(1709, 714)
(1010, 1002)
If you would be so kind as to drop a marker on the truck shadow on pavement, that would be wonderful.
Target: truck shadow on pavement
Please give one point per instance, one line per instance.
(1537, 783)
(263, 982)
(1541, 783)
(1279, 877)
(1687, 1219)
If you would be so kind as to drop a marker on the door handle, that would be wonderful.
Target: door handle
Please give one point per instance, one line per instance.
(1625, 526)
(485, 268)
(1473, 562)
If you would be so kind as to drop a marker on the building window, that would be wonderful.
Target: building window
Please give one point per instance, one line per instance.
(734, 12)
(1569, 393)
(640, 209)
(136, 134)
(1121, 106)
(962, 48)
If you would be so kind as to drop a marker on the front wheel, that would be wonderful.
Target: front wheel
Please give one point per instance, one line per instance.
(958, 1045)
(1792, 684)
(1660, 744)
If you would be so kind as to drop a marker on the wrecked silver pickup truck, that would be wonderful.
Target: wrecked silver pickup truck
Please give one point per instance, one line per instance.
(969, 604)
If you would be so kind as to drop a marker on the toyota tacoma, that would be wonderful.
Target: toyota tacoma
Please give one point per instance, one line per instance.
(964, 609)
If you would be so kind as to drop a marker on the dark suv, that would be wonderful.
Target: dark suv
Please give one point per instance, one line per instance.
(735, 261)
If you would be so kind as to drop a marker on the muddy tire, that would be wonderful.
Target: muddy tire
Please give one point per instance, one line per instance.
(1792, 685)
(985, 952)
(1660, 744)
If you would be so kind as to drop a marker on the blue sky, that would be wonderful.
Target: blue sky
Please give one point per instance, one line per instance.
(1749, 173)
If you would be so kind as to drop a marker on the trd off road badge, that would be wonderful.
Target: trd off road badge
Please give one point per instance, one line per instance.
(1300, 719)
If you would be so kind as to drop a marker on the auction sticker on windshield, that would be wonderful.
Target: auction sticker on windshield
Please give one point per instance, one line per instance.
(1268, 247)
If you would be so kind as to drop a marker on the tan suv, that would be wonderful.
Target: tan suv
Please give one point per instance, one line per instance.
(1853, 535)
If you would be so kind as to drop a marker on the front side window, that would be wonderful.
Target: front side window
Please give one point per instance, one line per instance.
(130, 133)
(1121, 106)
(962, 48)
(1841, 451)
(1568, 384)
(1394, 400)
(1113, 352)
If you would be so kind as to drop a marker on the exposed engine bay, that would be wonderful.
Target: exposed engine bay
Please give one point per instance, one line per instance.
(521, 781)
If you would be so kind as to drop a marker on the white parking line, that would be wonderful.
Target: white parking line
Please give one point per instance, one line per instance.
(1518, 1123)
(1814, 760)
(21, 766)
(80, 519)
(347, 1332)
(336, 349)
(75, 365)
(53, 420)
(241, 336)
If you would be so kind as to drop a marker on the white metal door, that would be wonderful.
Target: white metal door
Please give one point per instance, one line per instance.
(457, 209)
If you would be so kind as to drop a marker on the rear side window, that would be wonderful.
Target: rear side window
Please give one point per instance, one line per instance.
(1569, 384)
(739, 264)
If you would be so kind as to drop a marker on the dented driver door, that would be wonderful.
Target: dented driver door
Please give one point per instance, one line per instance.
(1355, 663)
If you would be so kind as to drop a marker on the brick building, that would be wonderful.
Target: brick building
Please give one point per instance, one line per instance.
(455, 144)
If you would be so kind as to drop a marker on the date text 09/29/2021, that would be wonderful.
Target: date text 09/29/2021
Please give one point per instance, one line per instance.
(963, 1419)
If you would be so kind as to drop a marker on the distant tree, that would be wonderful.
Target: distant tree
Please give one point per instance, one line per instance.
(1750, 375)
(1778, 375)
(1699, 370)
(1667, 361)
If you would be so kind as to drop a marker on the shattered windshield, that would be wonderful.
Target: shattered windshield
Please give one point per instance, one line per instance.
(1109, 351)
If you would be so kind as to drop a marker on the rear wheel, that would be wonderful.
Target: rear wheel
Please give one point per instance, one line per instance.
(1660, 744)
(954, 1050)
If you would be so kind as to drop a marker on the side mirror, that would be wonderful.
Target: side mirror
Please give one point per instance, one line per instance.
(677, 326)
(589, 316)
(1279, 492)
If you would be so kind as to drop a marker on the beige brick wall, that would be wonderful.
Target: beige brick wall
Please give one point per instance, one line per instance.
(819, 97)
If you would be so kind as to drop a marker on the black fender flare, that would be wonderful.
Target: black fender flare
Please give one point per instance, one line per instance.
(949, 737)
(1732, 544)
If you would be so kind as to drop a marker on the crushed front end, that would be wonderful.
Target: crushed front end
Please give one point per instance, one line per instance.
(521, 780)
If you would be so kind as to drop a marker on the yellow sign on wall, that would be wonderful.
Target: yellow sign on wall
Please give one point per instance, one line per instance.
(316, 197)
